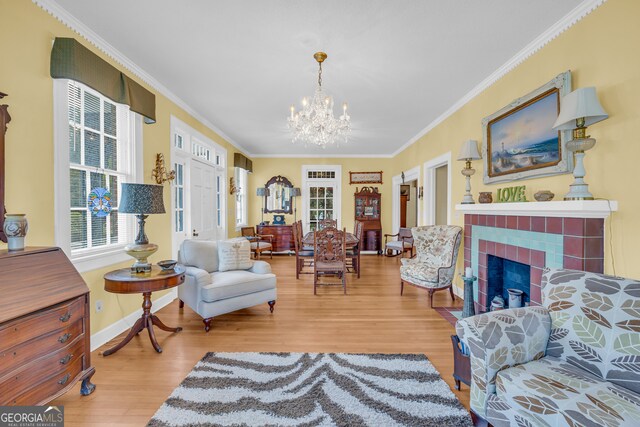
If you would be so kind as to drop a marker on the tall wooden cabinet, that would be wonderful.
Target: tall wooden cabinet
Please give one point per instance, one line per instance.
(367, 209)
(44, 327)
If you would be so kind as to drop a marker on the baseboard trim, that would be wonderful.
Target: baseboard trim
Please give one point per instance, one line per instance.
(110, 332)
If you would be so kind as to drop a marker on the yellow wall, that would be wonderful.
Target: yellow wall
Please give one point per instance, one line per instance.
(26, 34)
(265, 168)
(599, 51)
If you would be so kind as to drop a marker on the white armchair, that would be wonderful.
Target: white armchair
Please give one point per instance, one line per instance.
(434, 266)
(210, 292)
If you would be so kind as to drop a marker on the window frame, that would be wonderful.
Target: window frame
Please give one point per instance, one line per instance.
(242, 208)
(91, 258)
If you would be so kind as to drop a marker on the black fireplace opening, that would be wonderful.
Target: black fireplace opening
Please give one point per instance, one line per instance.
(504, 274)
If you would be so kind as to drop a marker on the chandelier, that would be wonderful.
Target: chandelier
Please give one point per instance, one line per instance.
(315, 122)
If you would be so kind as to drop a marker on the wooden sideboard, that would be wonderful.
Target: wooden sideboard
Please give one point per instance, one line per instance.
(44, 327)
(282, 236)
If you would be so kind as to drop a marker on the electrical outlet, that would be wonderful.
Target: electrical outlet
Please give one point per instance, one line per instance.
(99, 306)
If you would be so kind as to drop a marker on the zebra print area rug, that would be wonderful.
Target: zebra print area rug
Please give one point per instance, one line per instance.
(312, 389)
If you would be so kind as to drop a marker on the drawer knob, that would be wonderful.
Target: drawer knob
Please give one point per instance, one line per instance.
(63, 380)
(66, 359)
(64, 338)
(65, 317)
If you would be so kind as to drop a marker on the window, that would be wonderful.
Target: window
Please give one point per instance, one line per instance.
(321, 194)
(241, 197)
(96, 155)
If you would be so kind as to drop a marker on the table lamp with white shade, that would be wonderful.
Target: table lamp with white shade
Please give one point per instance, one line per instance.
(468, 152)
(578, 110)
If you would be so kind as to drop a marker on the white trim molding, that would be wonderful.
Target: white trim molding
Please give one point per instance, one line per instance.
(566, 22)
(429, 199)
(396, 181)
(564, 209)
(105, 335)
(77, 26)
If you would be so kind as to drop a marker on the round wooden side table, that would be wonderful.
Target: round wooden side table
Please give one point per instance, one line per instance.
(123, 281)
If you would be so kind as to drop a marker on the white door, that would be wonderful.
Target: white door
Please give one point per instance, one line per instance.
(320, 203)
(204, 211)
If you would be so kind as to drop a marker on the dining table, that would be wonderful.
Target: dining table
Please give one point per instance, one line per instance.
(350, 241)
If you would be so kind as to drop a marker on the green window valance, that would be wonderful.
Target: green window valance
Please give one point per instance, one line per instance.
(240, 161)
(71, 60)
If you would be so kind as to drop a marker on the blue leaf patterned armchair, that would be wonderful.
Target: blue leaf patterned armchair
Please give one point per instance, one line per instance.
(574, 361)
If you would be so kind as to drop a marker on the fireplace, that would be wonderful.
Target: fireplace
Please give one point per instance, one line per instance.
(504, 274)
(535, 235)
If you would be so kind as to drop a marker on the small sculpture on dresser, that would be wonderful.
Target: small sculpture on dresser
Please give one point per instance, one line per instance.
(543, 196)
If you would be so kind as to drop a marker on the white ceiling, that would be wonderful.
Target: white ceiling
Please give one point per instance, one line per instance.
(241, 63)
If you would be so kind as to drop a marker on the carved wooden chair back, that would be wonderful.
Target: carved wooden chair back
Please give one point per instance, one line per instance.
(329, 245)
(327, 223)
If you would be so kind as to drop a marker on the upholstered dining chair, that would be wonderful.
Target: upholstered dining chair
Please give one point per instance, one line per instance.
(403, 243)
(327, 223)
(353, 253)
(259, 242)
(434, 266)
(329, 255)
(303, 253)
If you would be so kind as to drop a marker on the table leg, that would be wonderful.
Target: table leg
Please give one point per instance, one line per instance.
(146, 321)
(159, 324)
(137, 327)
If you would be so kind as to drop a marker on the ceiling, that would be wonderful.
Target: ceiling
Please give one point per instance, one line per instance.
(240, 64)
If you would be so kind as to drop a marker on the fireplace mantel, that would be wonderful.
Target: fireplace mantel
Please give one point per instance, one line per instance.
(565, 209)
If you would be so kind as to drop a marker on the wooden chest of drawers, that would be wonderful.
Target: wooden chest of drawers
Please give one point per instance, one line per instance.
(282, 236)
(44, 327)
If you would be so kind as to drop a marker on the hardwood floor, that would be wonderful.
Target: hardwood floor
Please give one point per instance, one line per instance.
(372, 318)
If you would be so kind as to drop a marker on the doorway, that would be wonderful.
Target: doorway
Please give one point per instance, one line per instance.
(198, 208)
(320, 195)
(409, 204)
(437, 190)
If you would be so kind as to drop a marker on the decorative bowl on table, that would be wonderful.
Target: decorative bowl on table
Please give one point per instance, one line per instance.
(167, 264)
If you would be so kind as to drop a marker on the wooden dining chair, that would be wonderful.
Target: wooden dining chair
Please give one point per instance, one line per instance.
(353, 253)
(327, 223)
(259, 242)
(303, 254)
(329, 255)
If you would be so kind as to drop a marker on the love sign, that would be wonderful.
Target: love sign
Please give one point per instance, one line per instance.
(512, 194)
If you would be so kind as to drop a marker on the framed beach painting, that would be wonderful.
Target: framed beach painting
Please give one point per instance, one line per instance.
(519, 142)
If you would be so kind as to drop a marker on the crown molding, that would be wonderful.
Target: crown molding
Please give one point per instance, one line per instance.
(77, 26)
(322, 156)
(570, 19)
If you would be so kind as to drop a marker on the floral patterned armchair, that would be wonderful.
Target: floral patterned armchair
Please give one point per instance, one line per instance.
(434, 266)
(574, 361)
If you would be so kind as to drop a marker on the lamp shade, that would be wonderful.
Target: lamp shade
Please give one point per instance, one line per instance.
(469, 150)
(262, 191)
(141, 199)
(580, 103)
(296, 192)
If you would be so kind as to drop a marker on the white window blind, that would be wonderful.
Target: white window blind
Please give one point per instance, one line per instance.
(98, 150)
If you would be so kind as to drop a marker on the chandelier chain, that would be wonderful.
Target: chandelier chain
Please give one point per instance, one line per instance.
(320, 74)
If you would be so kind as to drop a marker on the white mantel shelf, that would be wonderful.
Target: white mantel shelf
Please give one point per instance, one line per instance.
(565, 209)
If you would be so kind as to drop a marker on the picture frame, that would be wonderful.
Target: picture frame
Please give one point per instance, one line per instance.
(518, 140)
(405, 190)
(365, 177)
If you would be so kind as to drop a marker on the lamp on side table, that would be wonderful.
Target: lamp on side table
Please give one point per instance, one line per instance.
(142, 200)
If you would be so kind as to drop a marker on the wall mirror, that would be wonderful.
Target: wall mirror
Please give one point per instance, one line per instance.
(279, 195)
